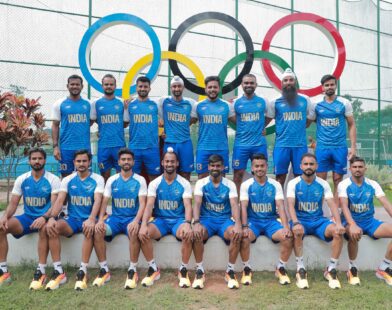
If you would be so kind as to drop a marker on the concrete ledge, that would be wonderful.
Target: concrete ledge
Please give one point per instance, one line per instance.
(264, 254)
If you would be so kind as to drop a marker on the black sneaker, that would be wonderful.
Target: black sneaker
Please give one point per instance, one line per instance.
(198, 283)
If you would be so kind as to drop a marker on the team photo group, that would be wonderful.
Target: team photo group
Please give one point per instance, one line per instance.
(144, 192)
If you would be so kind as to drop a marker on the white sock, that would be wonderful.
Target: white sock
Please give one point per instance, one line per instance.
(300, 262)
(183, 265)
(83, 266)
(352, 264)
(246, 264)
(3, 266)
(230, 266)
(200, 266)
(132, 266)
(281, 264)
(385, 263)
(152, 264)
(104, 265)
(41, 267)
(333, 263)
(57, 266)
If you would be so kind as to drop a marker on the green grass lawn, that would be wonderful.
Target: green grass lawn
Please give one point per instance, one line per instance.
(265, 293)
(3, 206)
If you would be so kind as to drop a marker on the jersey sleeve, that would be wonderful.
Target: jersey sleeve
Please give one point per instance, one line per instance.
(160, 107)
(311, 110)
(54, 183)
(17, 189)
(198, 191)
(231, 109)
(153, 187)
(64, 183)
(244, 190)
(291, 189)
(348, 108)
(233, 190)
(327, 189)
(126, 115)
(196, 109)
(193, 105)
(93, 111)
(377, 189)
(143, 186)
(270, 109)
(100, 184)
(108, 186)
(278, 190)
(342, 188)
(187, 190)
(56, 113)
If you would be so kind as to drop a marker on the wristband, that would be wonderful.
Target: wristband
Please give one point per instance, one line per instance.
(46, 218)
(196, 222)
(245, 225)
(296, 223)
(55, 145)
(189, 222)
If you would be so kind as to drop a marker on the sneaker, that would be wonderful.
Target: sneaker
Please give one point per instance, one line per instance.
(183, 278)
(246, 276)
(332, 278)
(352, 276)
(102, 278)
(151, 276)
(5, 277)
(281, 274)
(302, 279)
(231, 279)
(56, 280)
(39, 280)
(132, 278)
(198, 282)
(385, 275)
(81, 281)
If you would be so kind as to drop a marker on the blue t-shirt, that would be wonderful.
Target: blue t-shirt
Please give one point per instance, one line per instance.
(309, 197)
(36, 193)
(74, 118)
(216, 200)
(261, 199)
(143, 124)
(177, 118)
(213, 118)
(250, 121)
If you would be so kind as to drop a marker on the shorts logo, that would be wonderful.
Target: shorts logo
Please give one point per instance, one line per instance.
(236, 163)
(199, 166)
(157, 169)
(63, 167)
(101, 166)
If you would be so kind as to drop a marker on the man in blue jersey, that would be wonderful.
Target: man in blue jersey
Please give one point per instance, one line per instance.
(216, 202)
(111, 118)
(71, 122)
(39, 189)
(290, 112)
(143, 130)
(128, 192)
(213, 115)
(169, 201)
(83, 191)
(178, 113)
(331, 115)
(261, 198)
(356, 196)
(250, 112)
(305, 197)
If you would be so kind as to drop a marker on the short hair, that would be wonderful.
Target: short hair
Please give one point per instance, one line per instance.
(355, 159)
(37, 150)
(75, 77)
(212, 78)
(327, 77)
(258, 156)
(110, 76)
(143, 79)
(214, 158)
(309, 155)
(125, 150)
(249, 75)
(82, 152)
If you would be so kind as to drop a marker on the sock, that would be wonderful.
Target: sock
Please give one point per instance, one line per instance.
(352, 264)
(200, 266)
(57, 266)
(230, 266)
(281, 264)
(83, 266)
(246, 264)
(3, 266)
(152, 264)
(132, 266)
(333, 263)
(385, 263)
(41, 267)
(104, 265)
(183, 265)
(300, 262)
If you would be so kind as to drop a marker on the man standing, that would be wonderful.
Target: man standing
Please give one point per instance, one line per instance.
(39, 189)
(128, 192)
(178, 113)
(213, 114)
(108, 112)
(305, 196)
(83, 191)
(169, 201)
(216, 201)
(356, 196)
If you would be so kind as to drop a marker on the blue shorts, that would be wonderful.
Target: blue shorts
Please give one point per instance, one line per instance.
(241, 155)
(150, 158)
(167, 225)
(26, 220)
(116, 225)
(202, 160)
(76, 224)
(316, 227)
(334, 159)
(284, 155)
(108, 158)
(216, 226)
(184, 152)
(368, 226)
(264, 227)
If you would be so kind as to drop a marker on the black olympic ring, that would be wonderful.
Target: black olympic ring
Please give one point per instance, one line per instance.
(227, 20)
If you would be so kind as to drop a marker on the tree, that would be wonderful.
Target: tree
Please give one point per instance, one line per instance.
(21, 128)
(356, 104)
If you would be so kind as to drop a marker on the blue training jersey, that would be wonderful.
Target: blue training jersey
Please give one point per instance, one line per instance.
(261, 199)
(143, 124)
(331, 122)
(177, 116)
(360, 198)
(109, 115)
(80, 193)
(36, 193)
(169, 198)
(216, 200)
(309, 197)
(213, 118)
(125, 194)
(290, 121)
(74, 118)
(250, 121)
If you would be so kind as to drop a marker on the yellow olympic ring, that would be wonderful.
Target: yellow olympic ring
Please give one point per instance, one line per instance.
(165, 55)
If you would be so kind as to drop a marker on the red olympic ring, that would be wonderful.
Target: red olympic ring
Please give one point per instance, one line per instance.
(313, 20)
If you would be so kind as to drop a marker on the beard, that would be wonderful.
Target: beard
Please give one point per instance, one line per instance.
(290, 94)
(309, 172)
(37, 167)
